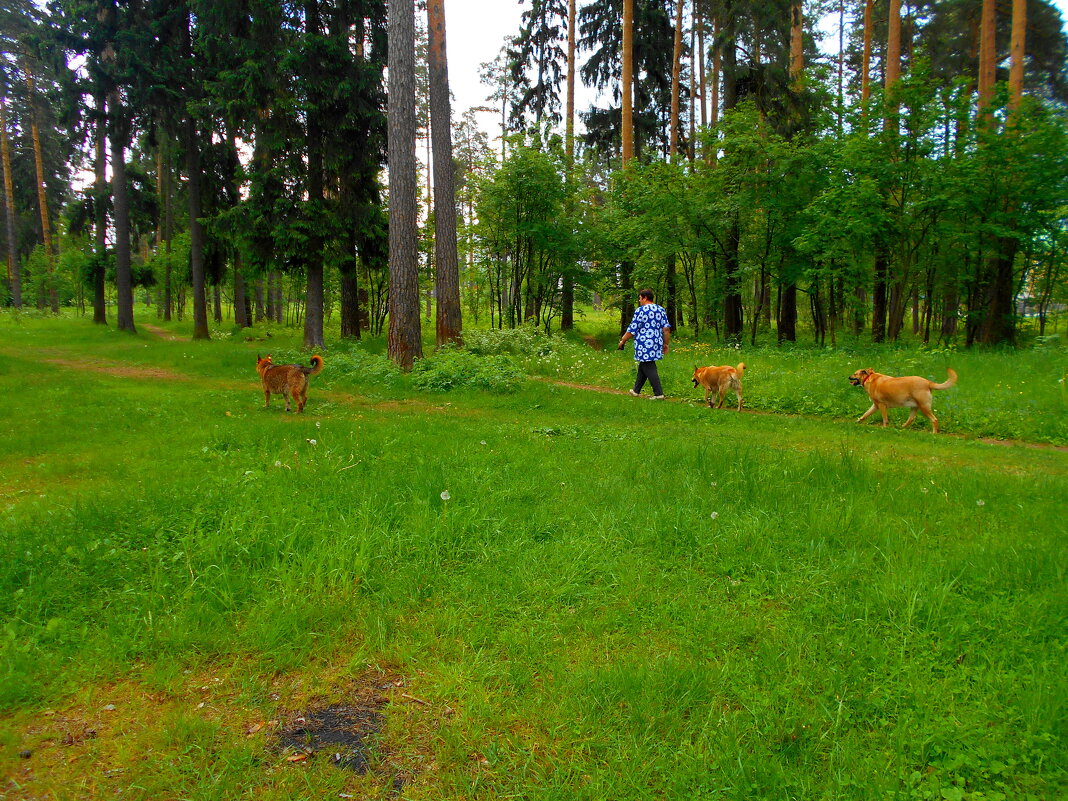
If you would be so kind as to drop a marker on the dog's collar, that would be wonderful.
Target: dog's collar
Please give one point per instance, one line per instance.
(864, 380)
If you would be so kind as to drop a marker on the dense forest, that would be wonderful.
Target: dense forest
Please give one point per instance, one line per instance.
(905, 175)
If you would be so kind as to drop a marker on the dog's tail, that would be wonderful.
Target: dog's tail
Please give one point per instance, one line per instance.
(740, 368)
(316, 368)
(948, 382)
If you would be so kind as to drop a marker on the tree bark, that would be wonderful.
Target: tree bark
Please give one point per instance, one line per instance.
(676, 82)
(313, 314)
(1018, 51)
(786, 324)
(893, 46)
(865, 64)
(797, 55)
(567, 281)
(242, 304)
(627, 81)
(987, 61)
(404, 339)
(14, 270)
(447, 268)
(100, 212)
(732, 300)
(350, 305)
(42, 194)
(121, 213)
(196, 230)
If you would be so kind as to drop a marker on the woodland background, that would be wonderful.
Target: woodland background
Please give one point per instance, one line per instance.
(228, 159)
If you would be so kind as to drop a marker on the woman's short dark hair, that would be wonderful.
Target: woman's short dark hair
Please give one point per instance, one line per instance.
(647, 294)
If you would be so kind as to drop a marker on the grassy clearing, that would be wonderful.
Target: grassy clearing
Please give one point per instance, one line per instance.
(588, 596)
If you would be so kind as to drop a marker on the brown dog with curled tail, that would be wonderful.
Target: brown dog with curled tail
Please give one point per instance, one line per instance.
(910, 391)
(287, 379)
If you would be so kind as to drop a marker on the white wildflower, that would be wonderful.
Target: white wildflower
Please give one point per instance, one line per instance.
(715, 515)
(980, 502)
(312, 442)
(445, 495)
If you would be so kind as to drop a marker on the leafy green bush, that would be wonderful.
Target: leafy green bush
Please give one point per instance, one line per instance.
(359, 365)
(451, 369)
(528, 341)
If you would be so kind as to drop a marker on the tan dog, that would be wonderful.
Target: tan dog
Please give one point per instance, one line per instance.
(287, 379)
(912, 391)
(719, 380)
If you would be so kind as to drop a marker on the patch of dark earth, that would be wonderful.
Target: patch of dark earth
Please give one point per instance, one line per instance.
(343, 733)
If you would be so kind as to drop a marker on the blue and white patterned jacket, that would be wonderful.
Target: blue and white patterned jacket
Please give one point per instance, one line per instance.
(647, 327)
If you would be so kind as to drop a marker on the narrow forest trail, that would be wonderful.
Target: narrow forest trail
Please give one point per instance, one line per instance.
(70, 360)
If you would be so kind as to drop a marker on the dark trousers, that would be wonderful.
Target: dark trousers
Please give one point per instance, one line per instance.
(647, 371)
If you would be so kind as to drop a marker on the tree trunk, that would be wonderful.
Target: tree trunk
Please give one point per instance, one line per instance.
(260, 313)
(693, 83)
(567, 288)
(893, 46)
(627, 81)
(404, 337)
(626, 303)
(1018, 52)
(100, 212)
(797, 55)
(732, 300)
(14, 271)
(350, 305)
(42, 195)
(242, 304)
(121, 212)
(168, 238)
(313, 295)
(446, 263)
(878, 301)
(999, 317)
(671, 300)
(987, 61)
(676, 80)
(786, 325)
(717, 72)
(865, 68)
(196, 230)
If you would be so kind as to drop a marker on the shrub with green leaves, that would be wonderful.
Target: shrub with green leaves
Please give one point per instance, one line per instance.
(527, 341)
(359, 365)
(452, 369)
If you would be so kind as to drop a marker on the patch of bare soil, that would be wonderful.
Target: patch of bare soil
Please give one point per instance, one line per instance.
(118, 369)
(343, 733)
(592, 341)
(163, 333)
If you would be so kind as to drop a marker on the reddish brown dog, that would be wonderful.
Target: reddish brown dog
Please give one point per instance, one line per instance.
(718, 380)
(287, 379)
(911, 391)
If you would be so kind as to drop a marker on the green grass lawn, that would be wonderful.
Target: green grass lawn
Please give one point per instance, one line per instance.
(558, 593)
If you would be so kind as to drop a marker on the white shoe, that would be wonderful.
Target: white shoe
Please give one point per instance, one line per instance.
(657, 397)
(633, 394)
